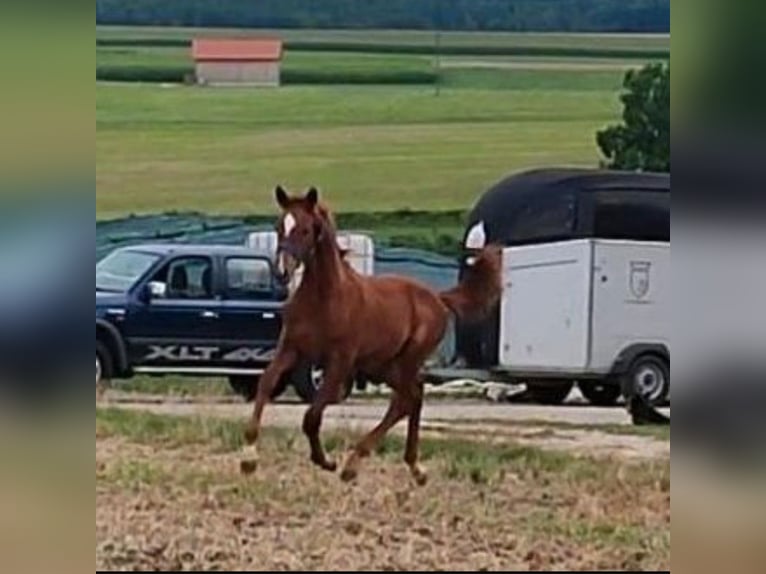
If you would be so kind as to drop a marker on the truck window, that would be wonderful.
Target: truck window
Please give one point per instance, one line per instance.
(187, 278)
(248, 278)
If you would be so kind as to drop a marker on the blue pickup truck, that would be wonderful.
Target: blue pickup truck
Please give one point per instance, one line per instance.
(192, 310)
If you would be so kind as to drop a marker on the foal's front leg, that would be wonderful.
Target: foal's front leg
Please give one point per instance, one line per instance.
(329, 392)
(284, 360)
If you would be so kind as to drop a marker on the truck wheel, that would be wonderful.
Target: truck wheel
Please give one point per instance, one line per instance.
(306, 380)
(549, 393)
(246, 386)
(648, 376)
(104, 365)
(600, 393)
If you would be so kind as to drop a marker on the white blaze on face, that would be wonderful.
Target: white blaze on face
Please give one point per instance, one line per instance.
(288, 224)
(295, 280)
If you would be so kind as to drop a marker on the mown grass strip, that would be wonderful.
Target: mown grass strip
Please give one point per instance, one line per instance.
(175, 386)
(462, 459)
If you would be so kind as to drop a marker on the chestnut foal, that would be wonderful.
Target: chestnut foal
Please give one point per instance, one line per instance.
(384, 327)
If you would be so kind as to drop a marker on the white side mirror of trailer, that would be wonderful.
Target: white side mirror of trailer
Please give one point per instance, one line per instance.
(477, 237)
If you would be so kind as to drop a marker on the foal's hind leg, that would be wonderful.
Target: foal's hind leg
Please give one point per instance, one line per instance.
(413, 432)
(397, 410)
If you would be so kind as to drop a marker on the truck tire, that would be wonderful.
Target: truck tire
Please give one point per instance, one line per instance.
(550, 392)
(306, 380)
(649, 377)
(246, 386)
(104, 365)
(601, 393)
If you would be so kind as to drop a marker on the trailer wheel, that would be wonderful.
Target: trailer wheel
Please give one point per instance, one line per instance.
(600, 393)
(649, 377)
(550, 392)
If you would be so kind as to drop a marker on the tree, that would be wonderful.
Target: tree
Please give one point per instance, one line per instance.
(642, 141)
(531, 15)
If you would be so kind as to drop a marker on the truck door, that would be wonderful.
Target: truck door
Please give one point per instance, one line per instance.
(251, 315)
(179, 330)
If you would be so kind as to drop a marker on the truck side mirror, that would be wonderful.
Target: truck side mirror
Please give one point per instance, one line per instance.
(155, 290)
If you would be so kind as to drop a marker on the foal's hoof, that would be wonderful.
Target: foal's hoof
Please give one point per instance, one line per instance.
(420, 475)
(248, 467)
(248, 461)
(324, 464)
(348, 474)
(328, 465)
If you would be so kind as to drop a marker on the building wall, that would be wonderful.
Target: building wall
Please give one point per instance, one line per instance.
(251, 73)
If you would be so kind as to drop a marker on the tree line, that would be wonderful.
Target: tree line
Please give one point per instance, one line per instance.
(489, 15)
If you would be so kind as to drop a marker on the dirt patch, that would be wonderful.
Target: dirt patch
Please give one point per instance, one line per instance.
(160, 506)
(585, 441)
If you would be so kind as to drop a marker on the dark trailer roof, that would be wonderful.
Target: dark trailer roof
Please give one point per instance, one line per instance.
(558, 204)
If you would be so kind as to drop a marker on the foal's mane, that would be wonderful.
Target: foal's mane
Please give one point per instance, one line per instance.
(326, 217)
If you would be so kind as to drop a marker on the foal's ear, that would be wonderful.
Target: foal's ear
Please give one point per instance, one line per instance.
(312, 196)
(281, 195)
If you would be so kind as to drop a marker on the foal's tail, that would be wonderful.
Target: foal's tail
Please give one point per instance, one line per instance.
(480, 288)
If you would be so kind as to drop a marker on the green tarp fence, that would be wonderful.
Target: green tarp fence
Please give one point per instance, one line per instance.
(436, 270)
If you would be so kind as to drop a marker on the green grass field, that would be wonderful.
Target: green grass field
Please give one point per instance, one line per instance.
(370, 149)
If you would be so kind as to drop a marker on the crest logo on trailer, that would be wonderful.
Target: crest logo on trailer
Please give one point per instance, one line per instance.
(640, 279)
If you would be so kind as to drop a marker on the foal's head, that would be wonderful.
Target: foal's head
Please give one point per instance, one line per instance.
(301, 228)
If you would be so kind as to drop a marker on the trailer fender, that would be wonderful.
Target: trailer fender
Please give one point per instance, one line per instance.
(629, 354)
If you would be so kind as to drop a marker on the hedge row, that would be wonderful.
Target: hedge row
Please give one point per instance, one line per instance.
(143, 74)
(185, 74)
(542, 51)
(363, 48)
(394, 77)
(143, 42)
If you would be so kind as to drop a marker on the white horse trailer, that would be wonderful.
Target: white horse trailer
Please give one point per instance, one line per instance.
(559, 324)
(360, 247)
(593, 311)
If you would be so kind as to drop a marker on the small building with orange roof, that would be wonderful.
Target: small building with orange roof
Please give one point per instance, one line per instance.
(237, 62)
